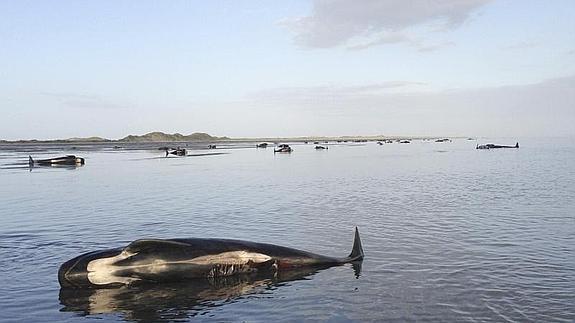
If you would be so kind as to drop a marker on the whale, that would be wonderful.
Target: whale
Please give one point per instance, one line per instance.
(493, 146)
(57, 161)
(183, 260)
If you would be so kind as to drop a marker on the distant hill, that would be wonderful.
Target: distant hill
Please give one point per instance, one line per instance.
(65, 141)
(87, 139)
(165, 137)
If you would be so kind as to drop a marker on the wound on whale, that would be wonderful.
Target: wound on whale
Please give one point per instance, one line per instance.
(156, 261)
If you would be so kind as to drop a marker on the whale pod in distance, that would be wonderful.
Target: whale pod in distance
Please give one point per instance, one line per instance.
(172, 260)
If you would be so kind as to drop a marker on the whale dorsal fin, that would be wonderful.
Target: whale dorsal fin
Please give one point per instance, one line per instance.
(147, 244)
(357, 250)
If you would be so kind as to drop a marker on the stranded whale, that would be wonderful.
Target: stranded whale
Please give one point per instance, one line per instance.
(184, 259)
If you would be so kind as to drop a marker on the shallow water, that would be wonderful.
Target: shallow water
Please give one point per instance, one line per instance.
(450, 233)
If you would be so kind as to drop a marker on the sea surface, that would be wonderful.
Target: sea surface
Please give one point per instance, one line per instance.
(450, 233)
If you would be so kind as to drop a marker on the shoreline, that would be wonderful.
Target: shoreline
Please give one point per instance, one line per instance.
(219, 140)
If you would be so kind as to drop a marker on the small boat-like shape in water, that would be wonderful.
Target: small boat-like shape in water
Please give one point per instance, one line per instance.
(69, 160)
(493, 146)
(283, 148)
(262, 145)
(320, 147)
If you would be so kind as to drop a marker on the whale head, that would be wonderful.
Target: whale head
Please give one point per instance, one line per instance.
(74, 273)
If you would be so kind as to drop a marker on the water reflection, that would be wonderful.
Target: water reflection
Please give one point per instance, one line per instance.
(56, 166)
(175, 301)
(30, 167)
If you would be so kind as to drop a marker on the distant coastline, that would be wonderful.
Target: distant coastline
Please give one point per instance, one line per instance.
(157, 136)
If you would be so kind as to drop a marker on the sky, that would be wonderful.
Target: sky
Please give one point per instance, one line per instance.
(266, 68)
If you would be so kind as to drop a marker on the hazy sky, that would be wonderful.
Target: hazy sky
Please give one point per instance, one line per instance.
(287, 68)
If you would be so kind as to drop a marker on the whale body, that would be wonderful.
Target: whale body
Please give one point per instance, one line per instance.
(493, 146)
(172, 260)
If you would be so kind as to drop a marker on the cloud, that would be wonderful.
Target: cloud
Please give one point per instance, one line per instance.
(433, 47)
(544, 108)
(387, 37)
(328, 92)
(397, 38)
(360, 24)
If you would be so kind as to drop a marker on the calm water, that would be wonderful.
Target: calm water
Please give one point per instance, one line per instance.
(450, 233)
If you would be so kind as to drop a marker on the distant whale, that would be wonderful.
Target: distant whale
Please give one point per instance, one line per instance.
(184, 259)
(493, 146)
(57, 161)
